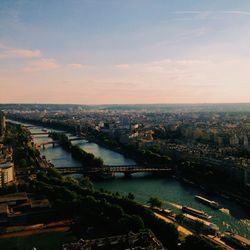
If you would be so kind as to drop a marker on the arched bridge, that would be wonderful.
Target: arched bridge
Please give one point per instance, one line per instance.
(112, 170)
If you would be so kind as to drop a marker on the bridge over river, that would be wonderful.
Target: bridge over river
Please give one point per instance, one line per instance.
(43, 144)
(111, 170)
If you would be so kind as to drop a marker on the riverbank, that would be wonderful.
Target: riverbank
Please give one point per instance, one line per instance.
(174, 195)
(168, 189)
(87, 159)
(141, 157)
(126, 160)
(220, 191)
(106, 214)
(91, 136)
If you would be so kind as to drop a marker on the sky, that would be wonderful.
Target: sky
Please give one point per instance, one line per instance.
(124, 51)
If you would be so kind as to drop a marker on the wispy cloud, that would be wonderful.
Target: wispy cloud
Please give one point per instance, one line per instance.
(6, 53)
(237, 12)
(207, 14)
(166, 64)
(233, 12)
(122, 66)
(76, 65)
(42, 64)
(188, 12)
(34, 59)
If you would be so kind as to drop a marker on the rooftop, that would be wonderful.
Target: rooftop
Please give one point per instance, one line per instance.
(13, 197)
(6, 165)
(4, 209)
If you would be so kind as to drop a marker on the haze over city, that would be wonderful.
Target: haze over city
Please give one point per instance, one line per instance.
(123, 52)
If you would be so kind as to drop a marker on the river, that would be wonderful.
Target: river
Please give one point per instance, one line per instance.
(170, 191)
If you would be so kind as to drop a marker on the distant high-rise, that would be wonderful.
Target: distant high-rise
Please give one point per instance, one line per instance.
(2, 123)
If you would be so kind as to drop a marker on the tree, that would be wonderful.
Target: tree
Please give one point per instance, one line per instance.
(130, 223)
(23, 163)
(196, 242)
(86, 183)
(131, 196)
(199, 226)
(154, 202)
(179, 218)
(52, 172)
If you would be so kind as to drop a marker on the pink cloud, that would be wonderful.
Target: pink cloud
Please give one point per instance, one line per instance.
(19, 53)
(122, 66)
(76, 65)
(42, 64)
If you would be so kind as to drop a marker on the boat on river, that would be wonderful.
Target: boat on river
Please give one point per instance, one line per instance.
(236, 240)
(195, 212)
(194, 223)
(212, 204)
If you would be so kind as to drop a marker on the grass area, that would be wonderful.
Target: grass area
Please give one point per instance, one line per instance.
(45, 241)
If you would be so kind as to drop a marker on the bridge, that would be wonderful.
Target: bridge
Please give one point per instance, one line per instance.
(112, 170)
(48, 143)
(77, 138)
(29, 126)
(43, 144)
(40, 133)
(41, 136)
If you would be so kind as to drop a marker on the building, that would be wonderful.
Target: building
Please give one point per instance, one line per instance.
(5, 154)
(4, 212)
(6, 165)
(6, 173)
(2, 124)
(142, 240)
(14, 199)
(234, 140)
(245, 141)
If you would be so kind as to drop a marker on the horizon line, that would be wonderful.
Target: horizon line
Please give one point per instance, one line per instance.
(125, 104)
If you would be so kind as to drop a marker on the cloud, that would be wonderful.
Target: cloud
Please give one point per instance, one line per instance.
(188, 12)
(192, 75)
(3, 46)
(6, 52)
(76, 65)
(233, 12)
(205, 14)
(116, 85)
(42, 64)
(237, 12)
(165, 64)
(185, 80)
(122, 66)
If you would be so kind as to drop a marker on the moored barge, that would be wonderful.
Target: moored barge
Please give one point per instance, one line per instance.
(196, 212)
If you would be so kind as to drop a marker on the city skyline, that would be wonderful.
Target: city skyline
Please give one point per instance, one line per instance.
(124, 52)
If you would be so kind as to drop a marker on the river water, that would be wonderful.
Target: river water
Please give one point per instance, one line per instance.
(170, 191)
